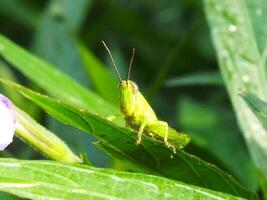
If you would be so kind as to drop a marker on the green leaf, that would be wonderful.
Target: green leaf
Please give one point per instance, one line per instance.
(67, 14)
(219, 136)
(108, 88)
(52, 80)
(59, 85)
(6, 196)
(12, 94)
(241, 65)
(258, 107)
(55, 37)
(204, 78)
(257, 10)
(52, 180)
(55, 41)
(151, 156)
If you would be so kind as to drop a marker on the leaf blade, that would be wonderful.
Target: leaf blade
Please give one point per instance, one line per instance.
(97, 73)
(151, 156)
(48, 180)
(52, 80)
(241, 66)
(204, 78)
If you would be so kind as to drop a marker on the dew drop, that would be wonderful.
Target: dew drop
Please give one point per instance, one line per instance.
(232, 28)
(246, 78)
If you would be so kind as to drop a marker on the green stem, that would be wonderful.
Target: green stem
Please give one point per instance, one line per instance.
(41, 139)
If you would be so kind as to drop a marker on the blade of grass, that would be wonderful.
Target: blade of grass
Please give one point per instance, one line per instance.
(241, 66)
(52, 80)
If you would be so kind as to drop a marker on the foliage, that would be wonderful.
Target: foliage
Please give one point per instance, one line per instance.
(54, 67)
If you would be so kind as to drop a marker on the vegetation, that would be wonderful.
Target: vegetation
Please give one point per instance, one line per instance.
(200, 64)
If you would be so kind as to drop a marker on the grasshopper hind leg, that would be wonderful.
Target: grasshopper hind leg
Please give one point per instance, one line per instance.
(163, 128)
(166, 131)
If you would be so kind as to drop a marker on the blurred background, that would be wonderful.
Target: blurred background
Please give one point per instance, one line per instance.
(175, 68)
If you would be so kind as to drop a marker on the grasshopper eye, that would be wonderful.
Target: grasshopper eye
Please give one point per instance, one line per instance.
(134, 87)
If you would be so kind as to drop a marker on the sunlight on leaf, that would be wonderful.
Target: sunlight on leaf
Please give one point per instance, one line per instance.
(51, 180)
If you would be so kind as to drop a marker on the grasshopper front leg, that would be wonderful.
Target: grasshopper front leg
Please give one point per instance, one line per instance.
(140, 132)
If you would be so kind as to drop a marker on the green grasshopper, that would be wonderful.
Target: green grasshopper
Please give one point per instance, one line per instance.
(140, 116)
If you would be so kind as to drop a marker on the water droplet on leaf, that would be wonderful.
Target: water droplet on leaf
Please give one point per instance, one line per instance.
(232, 28)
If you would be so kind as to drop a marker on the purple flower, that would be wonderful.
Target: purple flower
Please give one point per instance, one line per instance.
(7, 122)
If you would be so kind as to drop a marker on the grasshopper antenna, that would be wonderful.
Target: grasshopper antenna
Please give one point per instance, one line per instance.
(130, 66)
(113, 62)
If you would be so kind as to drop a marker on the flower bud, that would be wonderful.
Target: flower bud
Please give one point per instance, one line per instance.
(7, 122)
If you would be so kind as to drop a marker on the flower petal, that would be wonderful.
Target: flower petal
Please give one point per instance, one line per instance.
(7, 122)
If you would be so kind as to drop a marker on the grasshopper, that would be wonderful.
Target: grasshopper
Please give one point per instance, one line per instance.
(140, 116)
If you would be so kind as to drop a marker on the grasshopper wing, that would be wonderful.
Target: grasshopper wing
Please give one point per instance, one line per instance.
(179, 140)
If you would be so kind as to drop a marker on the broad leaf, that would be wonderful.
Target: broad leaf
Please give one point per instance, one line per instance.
(150, 157)
(51, 180)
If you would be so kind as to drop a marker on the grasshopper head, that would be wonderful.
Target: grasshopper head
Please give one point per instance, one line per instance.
(127, 91)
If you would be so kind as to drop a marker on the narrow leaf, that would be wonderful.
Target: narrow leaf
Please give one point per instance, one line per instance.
(51, 180)
(204, 78)
(151, 156)
(97, 73)
(241, 66)
(58, 47)
(257, 106)
(52, 80)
